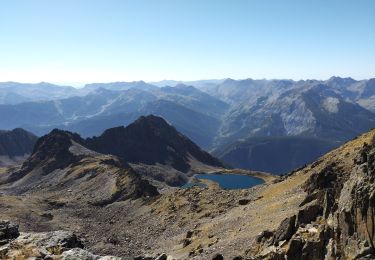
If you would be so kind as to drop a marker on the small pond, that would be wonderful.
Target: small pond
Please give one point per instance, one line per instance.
(227, 181)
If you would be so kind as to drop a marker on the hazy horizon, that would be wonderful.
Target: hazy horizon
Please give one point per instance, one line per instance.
(82, 84)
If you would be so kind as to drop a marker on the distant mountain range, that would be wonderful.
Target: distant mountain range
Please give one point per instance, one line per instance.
(15, 93)
(214, 113)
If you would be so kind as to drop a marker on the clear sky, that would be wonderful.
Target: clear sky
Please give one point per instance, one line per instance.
(66, 41)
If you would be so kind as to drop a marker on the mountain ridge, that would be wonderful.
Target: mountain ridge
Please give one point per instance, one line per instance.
(149, 140)
(59, 165)
(274, 154)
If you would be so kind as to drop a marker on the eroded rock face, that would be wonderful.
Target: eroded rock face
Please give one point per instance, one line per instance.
(44, 245)
(335, 221)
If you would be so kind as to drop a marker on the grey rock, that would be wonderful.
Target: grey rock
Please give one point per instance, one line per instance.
(81, 254)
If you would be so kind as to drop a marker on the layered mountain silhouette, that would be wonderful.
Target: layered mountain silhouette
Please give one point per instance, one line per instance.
(16, 93)
(214, 113)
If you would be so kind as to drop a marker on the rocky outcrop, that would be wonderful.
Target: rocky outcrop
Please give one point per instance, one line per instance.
(336, 220)
(44, 245)
(52, 151)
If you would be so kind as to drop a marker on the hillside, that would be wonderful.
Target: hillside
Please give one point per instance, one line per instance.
(16, 142)
(60, 165)
(15, 145)
(276, 155)
(335, 218)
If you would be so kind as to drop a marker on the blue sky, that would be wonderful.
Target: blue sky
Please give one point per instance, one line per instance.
(111, 40)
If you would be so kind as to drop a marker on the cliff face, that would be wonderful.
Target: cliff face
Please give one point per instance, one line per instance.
(336, 217)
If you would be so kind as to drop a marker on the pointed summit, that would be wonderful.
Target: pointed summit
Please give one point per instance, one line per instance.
(151, 140)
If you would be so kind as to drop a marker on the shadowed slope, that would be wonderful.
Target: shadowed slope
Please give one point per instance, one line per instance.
(151, 140)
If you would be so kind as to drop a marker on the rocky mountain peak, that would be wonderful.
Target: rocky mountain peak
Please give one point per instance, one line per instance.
(150, 140)
(342, 81)
(151, 122)
(52, 152)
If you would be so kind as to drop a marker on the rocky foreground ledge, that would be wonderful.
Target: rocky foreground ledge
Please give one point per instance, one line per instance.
(43, 245)
(62, 245)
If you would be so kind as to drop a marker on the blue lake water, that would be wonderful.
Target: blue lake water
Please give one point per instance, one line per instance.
(231, 181)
